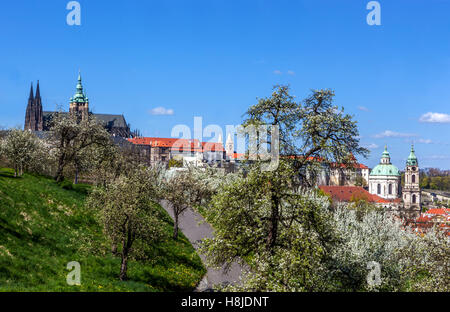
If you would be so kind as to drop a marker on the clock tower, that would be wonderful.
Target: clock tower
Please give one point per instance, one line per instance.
(411, 190)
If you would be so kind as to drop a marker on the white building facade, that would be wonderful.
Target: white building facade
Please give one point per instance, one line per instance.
(385, 178)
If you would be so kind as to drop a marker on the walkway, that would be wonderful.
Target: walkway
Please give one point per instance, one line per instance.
(195, 228)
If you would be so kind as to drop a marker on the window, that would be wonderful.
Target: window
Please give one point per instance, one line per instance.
(379, 189)
(414, 198)
(413, 178)
(390, 189)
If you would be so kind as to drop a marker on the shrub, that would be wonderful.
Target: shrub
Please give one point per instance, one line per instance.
(67, 185)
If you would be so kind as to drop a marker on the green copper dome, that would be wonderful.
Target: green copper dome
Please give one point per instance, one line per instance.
(385, 168)
(412, 159)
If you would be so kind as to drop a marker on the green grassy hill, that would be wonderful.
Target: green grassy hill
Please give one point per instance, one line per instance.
(43, 227)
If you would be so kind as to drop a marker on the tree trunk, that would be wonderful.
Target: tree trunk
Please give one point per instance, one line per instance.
(273, 226)
(75, 180)
(59, 173)
(124, 265)
(126, 246)
(175, 226)
(114, 248)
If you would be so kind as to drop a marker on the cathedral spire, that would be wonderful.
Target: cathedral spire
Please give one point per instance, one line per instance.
(38, 91)
(34, 115)
(31, 93)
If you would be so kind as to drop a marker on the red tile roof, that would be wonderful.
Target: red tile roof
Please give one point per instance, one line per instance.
(439, 211)
(177, 144)
(212, 147)
(349, 193)
(434, 217)
(354, 164)
(238, 156)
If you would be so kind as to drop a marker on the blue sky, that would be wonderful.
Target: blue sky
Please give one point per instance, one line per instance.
(213, 58)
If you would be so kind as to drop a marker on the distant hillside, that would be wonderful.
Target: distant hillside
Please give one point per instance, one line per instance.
(43, 227)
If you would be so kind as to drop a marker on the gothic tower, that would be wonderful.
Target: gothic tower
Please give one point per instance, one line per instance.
(79, 104)
(34, 119)
(38, 109)
(411, 190)
(29, 112)
(229, 147)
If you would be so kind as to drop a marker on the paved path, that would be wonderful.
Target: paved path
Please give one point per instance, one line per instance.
(195, 228)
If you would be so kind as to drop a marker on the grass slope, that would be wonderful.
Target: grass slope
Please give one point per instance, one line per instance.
(43, 227)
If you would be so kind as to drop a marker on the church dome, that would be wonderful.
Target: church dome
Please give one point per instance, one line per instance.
(385, 168)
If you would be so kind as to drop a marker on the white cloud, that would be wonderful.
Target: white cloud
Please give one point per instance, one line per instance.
(291, 72)
(424, 141)
(393, 134)
(371, 146)
(277, 72)
(161, 111)
(435, 118)
(363, 108)
(436, 157)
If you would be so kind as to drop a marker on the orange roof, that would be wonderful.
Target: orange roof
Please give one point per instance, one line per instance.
(432, 218)
(354, 165)
(319, 159)
(212, 147)
(238, 156)
(439, 211)
(310, 158)
(177, 144)
(349, 193)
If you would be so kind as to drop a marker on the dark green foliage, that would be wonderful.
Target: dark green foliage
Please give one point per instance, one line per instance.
(67, 185)
(174, 163)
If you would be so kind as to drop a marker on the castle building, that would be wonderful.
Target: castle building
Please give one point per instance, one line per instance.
(161, 150)
(411, 190)
(385, 178)
(38, 120)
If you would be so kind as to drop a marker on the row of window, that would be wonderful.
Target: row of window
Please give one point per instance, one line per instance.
(390, 189)
(413, 179)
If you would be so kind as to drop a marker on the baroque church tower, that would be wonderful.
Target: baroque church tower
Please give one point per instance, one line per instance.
(229, 146)
(411, 190)
(34, 117)
(79, 104)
